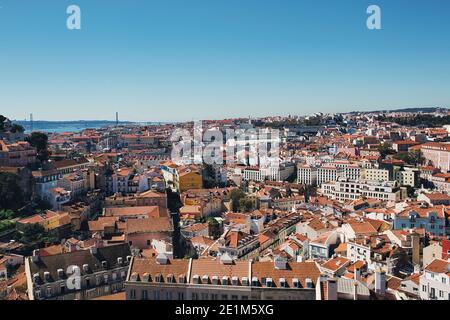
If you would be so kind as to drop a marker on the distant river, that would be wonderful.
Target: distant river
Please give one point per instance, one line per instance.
(66, 126)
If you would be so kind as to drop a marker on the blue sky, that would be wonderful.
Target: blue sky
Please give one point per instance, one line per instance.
(171, 60)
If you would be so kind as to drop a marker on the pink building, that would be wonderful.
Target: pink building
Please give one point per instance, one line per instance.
(438, 154)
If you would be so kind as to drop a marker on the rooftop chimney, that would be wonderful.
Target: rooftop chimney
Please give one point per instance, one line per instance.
(355, 290)
(357, 274)
(380, 282)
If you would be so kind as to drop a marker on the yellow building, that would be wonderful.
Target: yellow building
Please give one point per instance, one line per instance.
(50, 220)
(187, 178)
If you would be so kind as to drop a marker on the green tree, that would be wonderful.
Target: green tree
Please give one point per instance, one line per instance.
(246, 205)
(413, 158)
(11, 194)
(416, 158)
(39, 140)
(7, 215)
(6, 225)
(385, 150)
(236, 195)
(214, 227)
(35, 236)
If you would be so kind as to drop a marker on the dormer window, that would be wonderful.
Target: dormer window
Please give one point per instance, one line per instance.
(215, 280)
(181, 279)
(235, 281)
(159, 278)
(269, 282)
(47, 276)
(205, 279)
(255, 282)
(263, 281)
(196, 279)
(146, 277)
(225, 280)
(283, 283)
(295, 283)
(244, 281)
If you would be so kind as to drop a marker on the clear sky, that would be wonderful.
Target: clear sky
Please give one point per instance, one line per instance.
(170, 60)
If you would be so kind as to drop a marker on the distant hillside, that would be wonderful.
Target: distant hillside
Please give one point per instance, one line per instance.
(410, 110)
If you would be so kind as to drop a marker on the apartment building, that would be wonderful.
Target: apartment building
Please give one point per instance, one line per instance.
(162, 278)
(433, 219)
(77, 275)
(345, 189)
(19, 154)
(44, 180)
(371, 249)
(276, 173)
(407, 177)
(307, 174)
(316, 175)
(182, 178)
(238, 244)
(67, 166)
(146, 198)
(438, 154)
(124, 181)
(75, 183)
(57, 223)
(329, 173)
(375, 175)
(435, 281)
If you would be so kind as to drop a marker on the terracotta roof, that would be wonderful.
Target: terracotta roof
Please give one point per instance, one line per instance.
(175, 267)
(358, 264)
(78, 258)
(299, 270)
(424, 212)
(335, 264)
(150, 211)
(439, 266)
(214, 267)
(148, 225)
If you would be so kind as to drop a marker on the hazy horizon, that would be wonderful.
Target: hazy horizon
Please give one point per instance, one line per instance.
(216, 118)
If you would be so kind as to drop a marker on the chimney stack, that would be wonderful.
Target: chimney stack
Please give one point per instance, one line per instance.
(380, 282)
(357, 274)
(355, 290)
(415, 244)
